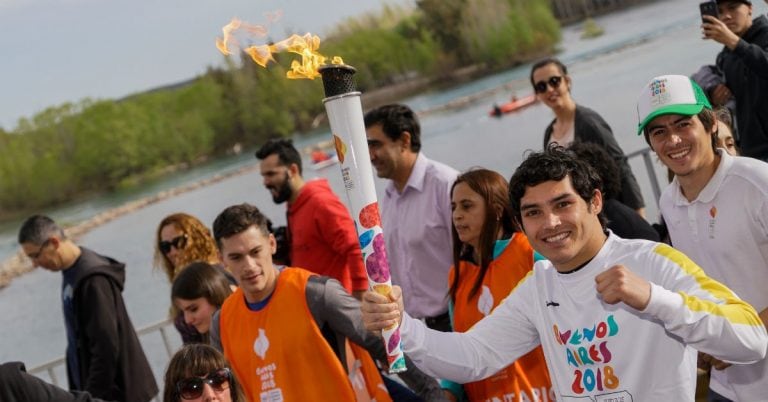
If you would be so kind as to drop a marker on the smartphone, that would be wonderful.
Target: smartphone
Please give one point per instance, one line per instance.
(708, 8)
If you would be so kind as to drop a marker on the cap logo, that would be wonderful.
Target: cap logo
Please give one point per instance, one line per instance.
(659, 93)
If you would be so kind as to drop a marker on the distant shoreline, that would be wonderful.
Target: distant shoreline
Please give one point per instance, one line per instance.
(19, 264)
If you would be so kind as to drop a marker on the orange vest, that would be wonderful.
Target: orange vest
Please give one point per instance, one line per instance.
(278, 352)
(529, 373)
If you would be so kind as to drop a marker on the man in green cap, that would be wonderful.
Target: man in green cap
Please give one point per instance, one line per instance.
(716, 210)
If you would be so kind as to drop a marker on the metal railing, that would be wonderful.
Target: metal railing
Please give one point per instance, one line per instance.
(649, 170)
(162, 327)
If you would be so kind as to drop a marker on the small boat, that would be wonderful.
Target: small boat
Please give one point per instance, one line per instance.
(511, 106)
(325, 163)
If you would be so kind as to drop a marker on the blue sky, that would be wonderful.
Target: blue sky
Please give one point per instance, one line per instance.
(66, 50)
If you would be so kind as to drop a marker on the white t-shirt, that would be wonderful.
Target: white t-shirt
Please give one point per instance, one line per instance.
(596, 351)
(725, 230)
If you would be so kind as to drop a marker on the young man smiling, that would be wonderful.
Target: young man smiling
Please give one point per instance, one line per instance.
(285, 330)
(618, 319)
(716, 209)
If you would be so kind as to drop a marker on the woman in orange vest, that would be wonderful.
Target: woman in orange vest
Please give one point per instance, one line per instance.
(490, 256)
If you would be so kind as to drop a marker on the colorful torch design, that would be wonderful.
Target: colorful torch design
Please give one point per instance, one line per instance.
(345, 114)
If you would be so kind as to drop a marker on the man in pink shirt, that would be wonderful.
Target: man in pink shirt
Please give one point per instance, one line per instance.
(415, 212)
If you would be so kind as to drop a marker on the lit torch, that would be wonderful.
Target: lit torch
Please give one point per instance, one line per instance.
(345, 113)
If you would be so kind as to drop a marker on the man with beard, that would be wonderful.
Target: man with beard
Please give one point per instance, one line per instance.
(321, 234)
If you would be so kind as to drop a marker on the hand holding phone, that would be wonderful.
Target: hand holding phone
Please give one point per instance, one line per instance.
(708, 8)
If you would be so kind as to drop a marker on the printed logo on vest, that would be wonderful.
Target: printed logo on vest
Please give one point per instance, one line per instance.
(261, 344)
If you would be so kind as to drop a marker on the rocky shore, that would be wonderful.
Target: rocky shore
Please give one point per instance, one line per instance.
(19, 264)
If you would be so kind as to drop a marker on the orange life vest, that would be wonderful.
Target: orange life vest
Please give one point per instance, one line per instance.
(529, 373)
(278, 353)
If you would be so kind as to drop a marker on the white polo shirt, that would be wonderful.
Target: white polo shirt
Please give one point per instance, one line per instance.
(725, 231)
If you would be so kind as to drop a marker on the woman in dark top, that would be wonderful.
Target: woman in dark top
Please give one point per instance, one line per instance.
(575, 123)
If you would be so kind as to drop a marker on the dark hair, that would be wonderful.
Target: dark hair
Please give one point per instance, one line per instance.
(38, 228)
(553, 164)
(708, 119)
(597, 157)
(284, 149)
(197, 360)
(550, 60)
(394, 120)
(201, 279)
(493, 189)
(237, 219)
(199, 247)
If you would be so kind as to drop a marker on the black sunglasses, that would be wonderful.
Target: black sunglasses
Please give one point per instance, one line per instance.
(541, 86)
(191, 388)
(177, 242)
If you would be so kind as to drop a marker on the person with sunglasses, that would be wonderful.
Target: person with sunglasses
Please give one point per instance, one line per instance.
(182, 239)
(199, 372)
(577, 123)
(103, 356)
(197, 292)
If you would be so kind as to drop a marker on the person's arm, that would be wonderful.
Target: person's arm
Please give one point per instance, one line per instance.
(490, 345)
(703, 312)
(17, 385)
(339, 229)
(98, 301)
(214, 334)
(753, 55)
(330, 304)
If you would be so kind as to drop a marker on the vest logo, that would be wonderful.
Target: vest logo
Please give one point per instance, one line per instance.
(261, 344)
(485, 301)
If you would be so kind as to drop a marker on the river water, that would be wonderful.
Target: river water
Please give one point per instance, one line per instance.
(607, 73)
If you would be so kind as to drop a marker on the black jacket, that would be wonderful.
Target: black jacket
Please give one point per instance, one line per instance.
(18, 386)
(589, 127)
(746, 75)
(112, 362)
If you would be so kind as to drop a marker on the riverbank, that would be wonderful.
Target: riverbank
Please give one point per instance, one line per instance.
(19, 264)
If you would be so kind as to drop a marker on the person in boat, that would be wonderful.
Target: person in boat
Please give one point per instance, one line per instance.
(727, 195)
(181, 239)
(490, 256)
(197, 292)
(198, 372)
(321, 234)
(577, 123)
(616, 318)
(318, 155)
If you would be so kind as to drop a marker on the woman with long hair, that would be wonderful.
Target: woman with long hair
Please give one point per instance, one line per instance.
(490, 256)
(182, 239)
(199, 372)
(197, 292)
(577, 123)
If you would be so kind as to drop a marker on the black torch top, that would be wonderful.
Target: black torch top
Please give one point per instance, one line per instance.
(338, 79)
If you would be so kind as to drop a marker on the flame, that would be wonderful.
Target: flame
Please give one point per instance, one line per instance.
(306, 46)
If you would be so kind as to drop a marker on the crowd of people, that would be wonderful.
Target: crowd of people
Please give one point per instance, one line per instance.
(551, 285)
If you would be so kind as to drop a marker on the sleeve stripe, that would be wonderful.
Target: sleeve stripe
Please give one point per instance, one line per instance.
(731, 308)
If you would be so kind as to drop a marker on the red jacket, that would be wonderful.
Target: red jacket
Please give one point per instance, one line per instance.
(323, 237)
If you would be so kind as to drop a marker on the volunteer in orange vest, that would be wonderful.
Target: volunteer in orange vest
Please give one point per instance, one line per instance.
(492, 257)
(270, 328)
